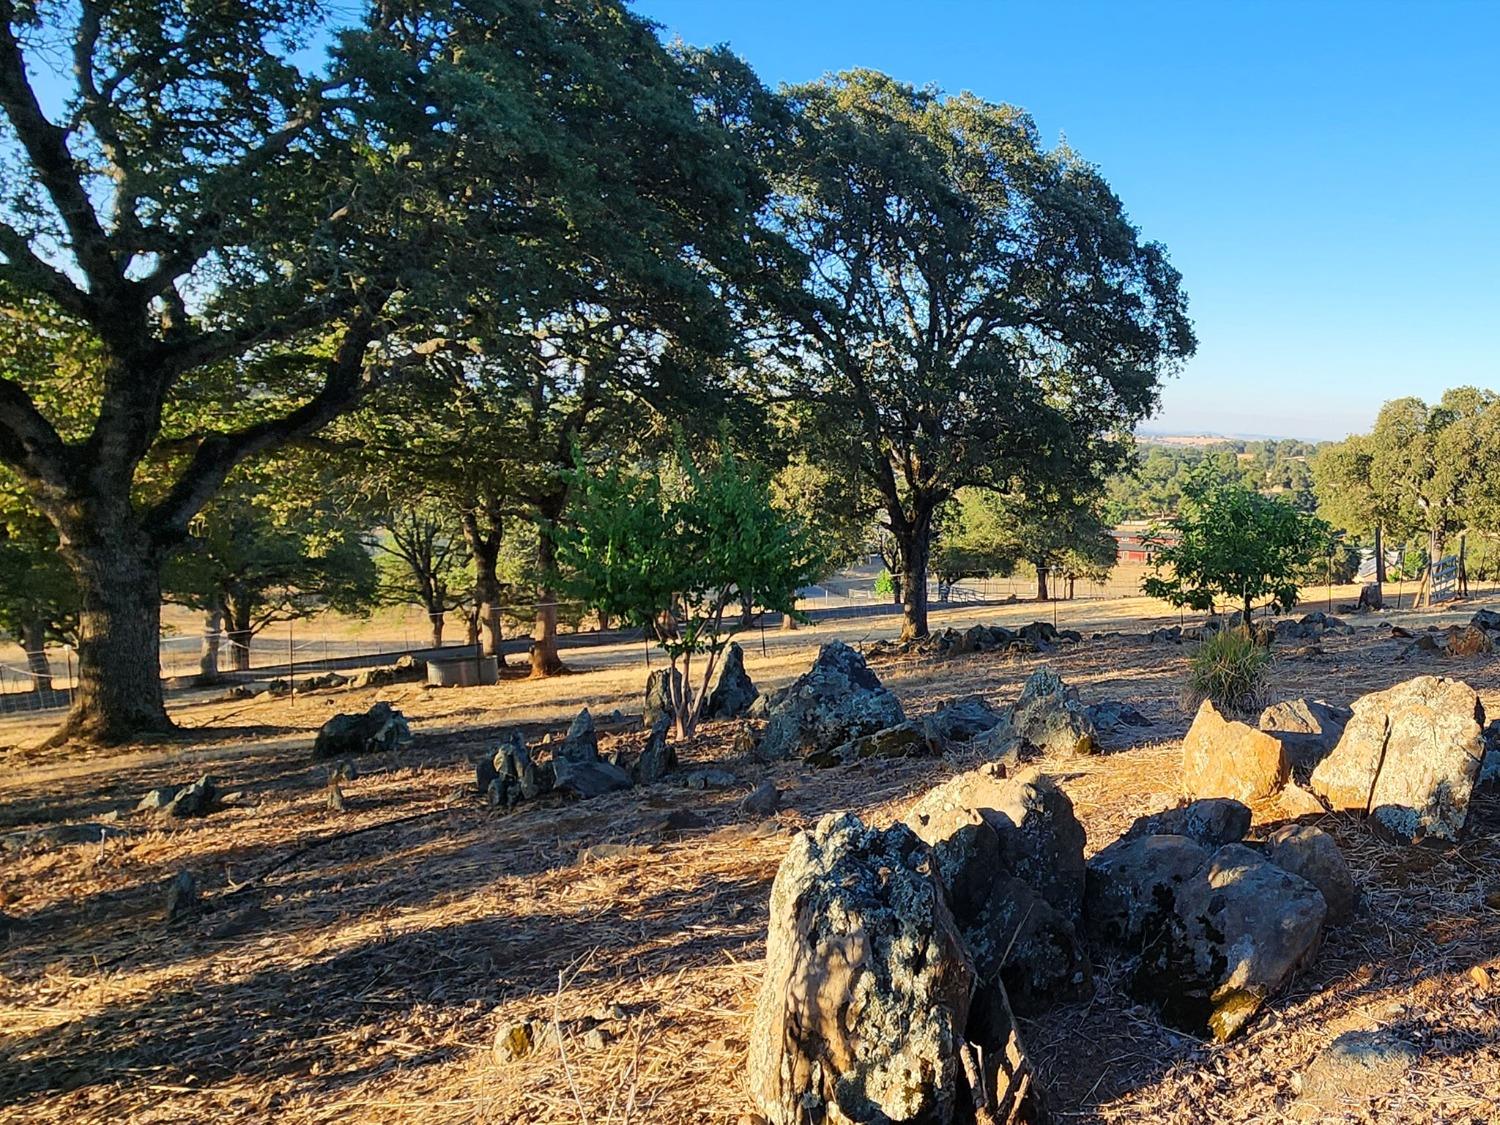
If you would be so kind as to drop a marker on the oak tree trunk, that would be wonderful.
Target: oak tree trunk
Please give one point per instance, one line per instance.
(119, 694)
(436, 619)
(208, 652)
(545, 660)
(34, 641)
(1041, 583)
(1380, 578)
(915, 549)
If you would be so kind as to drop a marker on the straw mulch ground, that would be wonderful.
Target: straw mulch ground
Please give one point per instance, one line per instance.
(366, 978)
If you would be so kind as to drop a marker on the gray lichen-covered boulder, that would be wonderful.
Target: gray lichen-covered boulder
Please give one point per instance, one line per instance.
(964, 719)
(865, 1000)
(1312, 854)
(1409, 757)
(1049, 719)
(382, 727)
(658, 701)
(1308, 729)
(1211, 822)
(1010, 852)
(1216, 935)
(1132, 882)
(1235, 937)
(658, 756)
(839, 699)
(576, 765)
(734, 692)
(1224, 758)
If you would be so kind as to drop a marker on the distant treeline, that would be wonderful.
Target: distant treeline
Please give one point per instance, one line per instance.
(1153, 486)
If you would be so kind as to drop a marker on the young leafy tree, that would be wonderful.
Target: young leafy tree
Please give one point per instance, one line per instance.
(269, 549)
(1348, 499)
(975, 539)
(423, 560)
(674, 548)
(1234, 544)
(978, 311)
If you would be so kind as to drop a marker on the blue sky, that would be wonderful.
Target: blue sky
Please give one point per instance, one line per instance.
(1325, 175)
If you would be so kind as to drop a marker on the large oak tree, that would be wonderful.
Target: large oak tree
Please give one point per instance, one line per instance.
(978, 310)
(241, 244)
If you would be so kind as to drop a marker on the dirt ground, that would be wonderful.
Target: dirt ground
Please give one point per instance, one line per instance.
(366, 977)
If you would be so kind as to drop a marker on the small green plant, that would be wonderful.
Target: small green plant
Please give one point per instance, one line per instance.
(1229, 668)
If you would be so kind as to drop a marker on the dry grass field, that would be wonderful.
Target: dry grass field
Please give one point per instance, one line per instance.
(357, 966)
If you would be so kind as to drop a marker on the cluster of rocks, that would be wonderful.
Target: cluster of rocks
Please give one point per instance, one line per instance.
(898, 959)
(838, 712)
(175, 802)
(1305, 631)
(1409, 757)
(574, 765)
(1037, 637)
(1213, 927)
(381, 728)
(1479, 637)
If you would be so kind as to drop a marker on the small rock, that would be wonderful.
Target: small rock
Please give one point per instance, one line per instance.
(1312, 854)
(182, 898)
(484, 774)
(763, 800)
(658, 701)
(1211, 821)
(381, 728)
(709, 777)
(610, 851)
(596, 1038)
(514, 1041)
(1355, 1068)
(1295, 801)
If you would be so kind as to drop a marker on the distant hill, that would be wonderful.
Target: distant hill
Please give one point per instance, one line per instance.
(1146, 437)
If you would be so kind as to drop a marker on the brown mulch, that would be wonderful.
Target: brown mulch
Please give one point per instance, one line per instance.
(367, 978)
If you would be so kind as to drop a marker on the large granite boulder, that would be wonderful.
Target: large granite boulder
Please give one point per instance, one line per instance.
(1308, 729)
(1216, 934)
(1236, 934)
(382, 727)
(1010, 852)
(1223, 758)
(863, 1009)
(735, 691)
(1134, 881)
(1049, 719)
(1409, 757)
(837, 700)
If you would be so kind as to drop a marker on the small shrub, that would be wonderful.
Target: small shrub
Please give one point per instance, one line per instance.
(1231, 669)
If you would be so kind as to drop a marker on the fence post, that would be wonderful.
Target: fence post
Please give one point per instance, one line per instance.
(291, 665)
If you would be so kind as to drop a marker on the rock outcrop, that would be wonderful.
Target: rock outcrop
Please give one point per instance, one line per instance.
(380, 728)
(734, 692)
(1409, 757)
(1312, 854)
(1223, 758)
(1211, 822)
(839, 699)
(1050, 720)
(866, 996)
(1010, 852)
